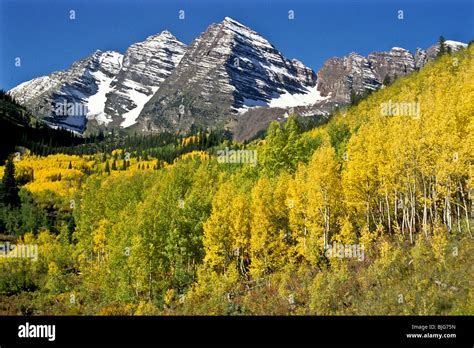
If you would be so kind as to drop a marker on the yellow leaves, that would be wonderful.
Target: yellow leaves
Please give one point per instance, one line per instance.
(99, 237)
(202, 155)
(189, 140)
(169, 297)
(55, 280)
(51, 173)
(143, 165)
(117, 152)
(145, 308)
(53, 269)
(314, 197)
(240, 225)
(48, 189)
(398, 160)
(386, 254)
(49, 248)
(227, 231)
(117, 308)
(439, 243)
(317, 132)
(347, 234)
(270, 234)
(367, 238)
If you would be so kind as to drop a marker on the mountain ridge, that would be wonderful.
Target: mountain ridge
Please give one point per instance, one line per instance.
(220, 80)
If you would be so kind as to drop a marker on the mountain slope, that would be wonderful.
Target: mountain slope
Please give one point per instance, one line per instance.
(343, 80)
(230, 77)
(228, 68)
(100, 89)
(145, 66)
(19, 128)
(66, 98)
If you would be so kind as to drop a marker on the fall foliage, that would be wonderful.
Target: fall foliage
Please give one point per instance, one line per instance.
(174, 231)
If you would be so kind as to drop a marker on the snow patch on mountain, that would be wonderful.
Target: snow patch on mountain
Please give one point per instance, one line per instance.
(95, 103)
(139, 100)
(229, 68)
(111, 63)
(145, 66)
(286, 100)
(455, 44)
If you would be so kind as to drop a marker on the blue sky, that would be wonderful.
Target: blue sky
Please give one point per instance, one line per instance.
(41, 33)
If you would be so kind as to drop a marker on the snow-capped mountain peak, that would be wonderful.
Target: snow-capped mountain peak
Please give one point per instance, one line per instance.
(105, 88)
(227, 74)
(67, 98)
(145, 66)
(455, 44)
(227, 69)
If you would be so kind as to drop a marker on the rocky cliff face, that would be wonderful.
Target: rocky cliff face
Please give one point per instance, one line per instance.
(106, 88)
(229, 77)
(145, 66)
(226, 70)
(420, 58)
(424, 56)
(392, 64)
(354, 74)
(66, 98)
(340, 77)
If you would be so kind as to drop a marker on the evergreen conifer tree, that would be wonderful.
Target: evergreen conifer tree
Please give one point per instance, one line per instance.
(8, 188)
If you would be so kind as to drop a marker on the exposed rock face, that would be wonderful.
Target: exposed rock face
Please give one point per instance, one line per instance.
(392, 64)
(229, 77)
(340, 77)
(63, 98)
(355, 74)
(145, 66)
(106, 87)
(422, 57)
(225, 70)
(303, 73)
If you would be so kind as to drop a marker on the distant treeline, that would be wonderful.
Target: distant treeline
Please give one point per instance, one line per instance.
(18, 127)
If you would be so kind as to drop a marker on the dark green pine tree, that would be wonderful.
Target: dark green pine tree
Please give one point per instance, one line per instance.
(107, 167)
(8, 188)
(70, 165)
(114, 165)
(442, 46)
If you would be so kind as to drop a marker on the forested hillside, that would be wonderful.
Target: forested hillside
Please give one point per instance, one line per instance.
(19, 128)
(184, 230)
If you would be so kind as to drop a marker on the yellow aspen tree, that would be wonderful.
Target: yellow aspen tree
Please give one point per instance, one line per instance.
(267, 242)
(324, 199)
